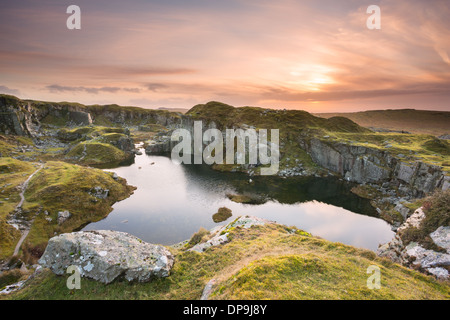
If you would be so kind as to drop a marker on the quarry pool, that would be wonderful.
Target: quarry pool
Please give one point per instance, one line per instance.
(173, 201)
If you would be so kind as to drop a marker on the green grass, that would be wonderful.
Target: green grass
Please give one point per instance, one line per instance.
(222, 214)
(13, 174)
(288, 121)
(61, 186)
(263, 262)
(94, 153)
(407, 147)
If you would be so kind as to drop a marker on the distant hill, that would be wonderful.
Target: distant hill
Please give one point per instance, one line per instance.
(180, 110)
(290, 121)
(415, 121)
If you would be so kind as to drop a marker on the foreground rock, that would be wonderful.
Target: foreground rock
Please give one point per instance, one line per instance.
(414, 255)
(106, 255)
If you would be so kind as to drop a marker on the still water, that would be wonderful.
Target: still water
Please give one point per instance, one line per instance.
(173, 201)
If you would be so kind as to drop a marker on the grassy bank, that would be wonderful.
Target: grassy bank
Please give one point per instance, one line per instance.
(13, 174)
(58, 187)
(263, 262)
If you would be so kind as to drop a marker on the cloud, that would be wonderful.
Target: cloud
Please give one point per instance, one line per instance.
(180, 52)
(5, 89)
(55, 88)
(156, 86)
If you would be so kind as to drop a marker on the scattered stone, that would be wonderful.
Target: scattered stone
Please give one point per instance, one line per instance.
(99, 192)
(208, 289)
(220, 234)
(105, 255)
(13, 287)
(414, 220)
(439, 273)
(63, 216)
(441, 237)
(404, 211)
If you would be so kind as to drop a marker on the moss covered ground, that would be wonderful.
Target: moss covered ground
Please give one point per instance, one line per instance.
(262, 262)
(59, 186)
(13, 174)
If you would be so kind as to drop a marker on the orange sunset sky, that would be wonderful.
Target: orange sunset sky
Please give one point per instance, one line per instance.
(318, 56)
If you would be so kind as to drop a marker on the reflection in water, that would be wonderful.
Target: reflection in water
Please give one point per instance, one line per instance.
(173, 201)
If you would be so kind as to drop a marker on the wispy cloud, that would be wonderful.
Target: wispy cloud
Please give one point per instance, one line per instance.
(268, 53)
(92, 90)
(5, 89)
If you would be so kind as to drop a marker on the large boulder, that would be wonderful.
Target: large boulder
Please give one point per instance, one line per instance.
(106, 255)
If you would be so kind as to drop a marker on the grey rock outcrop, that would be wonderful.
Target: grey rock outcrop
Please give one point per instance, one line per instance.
(442, 237)
(106, 255)
(124, 143)
(414, 255)
(363, 164)
(219, 235)
(24, 117)
(99, 192)
(80, 118)
(162, 144)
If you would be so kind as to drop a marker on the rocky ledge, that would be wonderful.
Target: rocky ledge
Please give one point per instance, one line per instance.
(219, 235)
(415, 256)
(107, 255)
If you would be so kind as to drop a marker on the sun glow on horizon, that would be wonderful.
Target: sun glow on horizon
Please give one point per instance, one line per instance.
(156, 54)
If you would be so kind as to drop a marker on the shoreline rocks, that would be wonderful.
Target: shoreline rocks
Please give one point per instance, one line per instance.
(414, 255)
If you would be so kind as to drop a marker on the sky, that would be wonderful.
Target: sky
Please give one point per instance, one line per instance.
(314, 55)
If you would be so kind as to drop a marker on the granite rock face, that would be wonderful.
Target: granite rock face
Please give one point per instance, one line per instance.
(414, 255)
(106, 255)
(24, 117)
(369, 165)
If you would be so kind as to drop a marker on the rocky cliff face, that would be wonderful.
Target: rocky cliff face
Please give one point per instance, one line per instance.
(368, 165)
(25, 117)
(19, 117)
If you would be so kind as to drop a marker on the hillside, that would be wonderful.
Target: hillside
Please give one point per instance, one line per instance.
(264, 261)
(285, 120)
(62, 139)
(415, 121)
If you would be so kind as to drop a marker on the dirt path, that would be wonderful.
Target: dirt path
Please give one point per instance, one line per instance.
(19, 209)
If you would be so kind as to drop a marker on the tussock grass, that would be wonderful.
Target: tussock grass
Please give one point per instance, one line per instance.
(262, 262)
(13, 174)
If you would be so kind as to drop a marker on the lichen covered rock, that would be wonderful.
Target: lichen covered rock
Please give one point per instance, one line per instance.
(106, 255)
